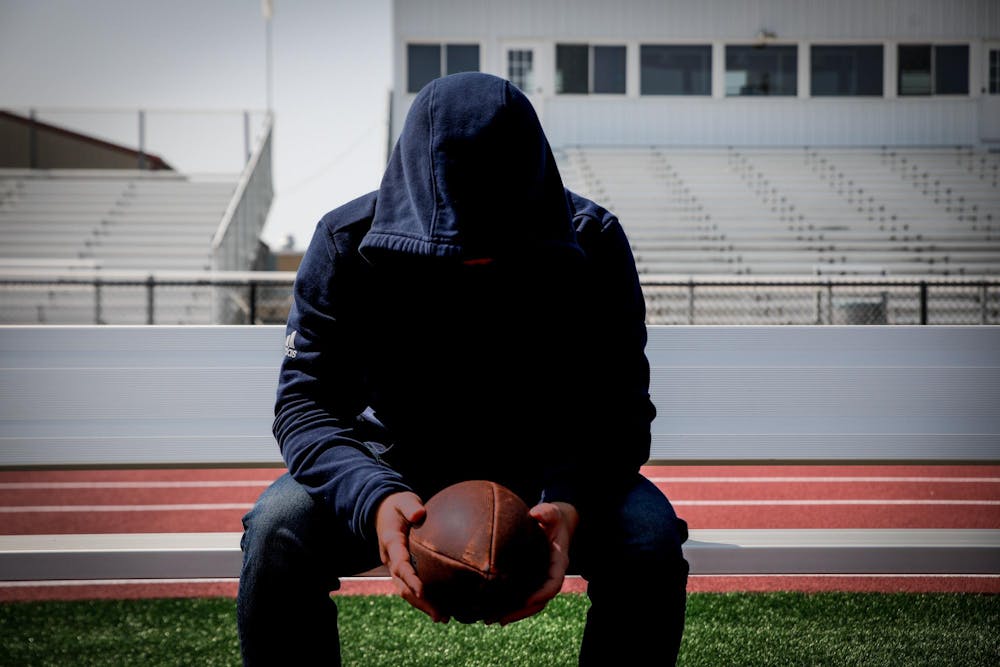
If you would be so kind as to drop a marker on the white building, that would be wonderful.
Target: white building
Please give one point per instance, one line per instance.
(722, 72)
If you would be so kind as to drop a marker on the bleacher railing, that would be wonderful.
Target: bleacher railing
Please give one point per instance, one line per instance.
(821, 300)
(237, 240)
(30, 296)
(90, 297)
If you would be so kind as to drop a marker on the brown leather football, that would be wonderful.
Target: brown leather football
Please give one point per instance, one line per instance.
(478, 553)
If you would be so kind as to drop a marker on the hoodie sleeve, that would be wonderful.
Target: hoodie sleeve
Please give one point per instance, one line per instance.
(328, 447)
(614, 437)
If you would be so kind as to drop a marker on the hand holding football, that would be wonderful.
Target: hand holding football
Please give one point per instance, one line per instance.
(478, 553)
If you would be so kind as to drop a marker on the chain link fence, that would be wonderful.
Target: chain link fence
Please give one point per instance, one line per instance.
(822, 301)
(160, 298)
(265, 298)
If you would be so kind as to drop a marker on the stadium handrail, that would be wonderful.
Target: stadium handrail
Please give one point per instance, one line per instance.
(916, 300)
(52, 270)
(235, 242)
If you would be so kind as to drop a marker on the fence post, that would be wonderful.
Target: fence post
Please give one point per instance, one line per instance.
(923, 302)
(829, 302)
(97, 301)
(819, 306)
(983, 297)
(691, 301)
(150, 285)
(253, 302)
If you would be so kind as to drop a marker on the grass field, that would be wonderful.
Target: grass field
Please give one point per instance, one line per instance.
(722, 629)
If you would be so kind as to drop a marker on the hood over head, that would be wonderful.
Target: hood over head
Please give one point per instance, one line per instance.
(472, 177)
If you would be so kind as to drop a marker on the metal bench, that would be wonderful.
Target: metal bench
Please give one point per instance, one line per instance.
(83, 396)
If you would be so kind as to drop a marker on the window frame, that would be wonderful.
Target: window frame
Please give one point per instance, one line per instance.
(933, 46)
(794, 94)
(442, 47)
(847, 45)
(591, 46)
(708, 47)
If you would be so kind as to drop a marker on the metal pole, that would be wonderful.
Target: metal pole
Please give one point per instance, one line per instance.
(691, 302)
(253, 302)
(246, 137)
(32, 141)
(150, 285)
(270, 66)
(983, 296)
(923, 302)
(819, 306)
(829, 302)
(97, 301)
(142, 139)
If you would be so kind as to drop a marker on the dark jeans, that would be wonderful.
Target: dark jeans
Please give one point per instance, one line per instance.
(293, 553)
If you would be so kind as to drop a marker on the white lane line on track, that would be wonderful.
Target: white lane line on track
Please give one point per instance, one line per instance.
(59, 583)
(111, 582)
(740, 480)
(846, 576)
(262, 483)
(195, 507)
(202, 484)
(841, 501)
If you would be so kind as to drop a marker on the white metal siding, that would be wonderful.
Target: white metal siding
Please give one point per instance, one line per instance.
(761, 122)
(709, 19)
(713, 121)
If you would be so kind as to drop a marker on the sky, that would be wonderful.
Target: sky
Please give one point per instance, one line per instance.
(331, 79)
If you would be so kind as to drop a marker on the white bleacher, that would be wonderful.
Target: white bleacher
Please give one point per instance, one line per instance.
(109, 220)
(886, 211)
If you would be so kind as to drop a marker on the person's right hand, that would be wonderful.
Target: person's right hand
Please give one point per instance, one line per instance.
(397, 513)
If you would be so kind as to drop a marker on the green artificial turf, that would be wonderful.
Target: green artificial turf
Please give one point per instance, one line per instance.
(729, 629)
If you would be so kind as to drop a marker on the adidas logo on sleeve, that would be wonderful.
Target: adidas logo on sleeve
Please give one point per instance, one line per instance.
(290, 350)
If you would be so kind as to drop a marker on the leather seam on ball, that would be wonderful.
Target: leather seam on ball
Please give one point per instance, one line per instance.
(489, 575)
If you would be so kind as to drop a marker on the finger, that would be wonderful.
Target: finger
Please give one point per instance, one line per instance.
(425, 607)
(549, 518)
(548, 591)
(408, 576)
(401, 569)
(545, 513)
(411, 509)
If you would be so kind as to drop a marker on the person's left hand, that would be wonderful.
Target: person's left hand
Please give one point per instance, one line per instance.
(559, 520)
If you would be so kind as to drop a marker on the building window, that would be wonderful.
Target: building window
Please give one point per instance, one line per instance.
(426, 62)
(609, 69)
(768, 70)
(951, 70)
(461, 58)
(675, 70)
(582, 69)
(521, 68)
(933, 70)
(846, 70)
(423, 65)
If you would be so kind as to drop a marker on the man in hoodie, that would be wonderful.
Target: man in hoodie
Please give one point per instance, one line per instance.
(471, 319)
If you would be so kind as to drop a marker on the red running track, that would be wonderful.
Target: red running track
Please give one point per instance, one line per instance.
(116, 501)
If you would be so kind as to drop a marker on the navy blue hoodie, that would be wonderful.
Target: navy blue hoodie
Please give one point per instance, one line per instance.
(471, 319)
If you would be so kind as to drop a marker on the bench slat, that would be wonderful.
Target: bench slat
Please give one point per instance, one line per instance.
(741, 552)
